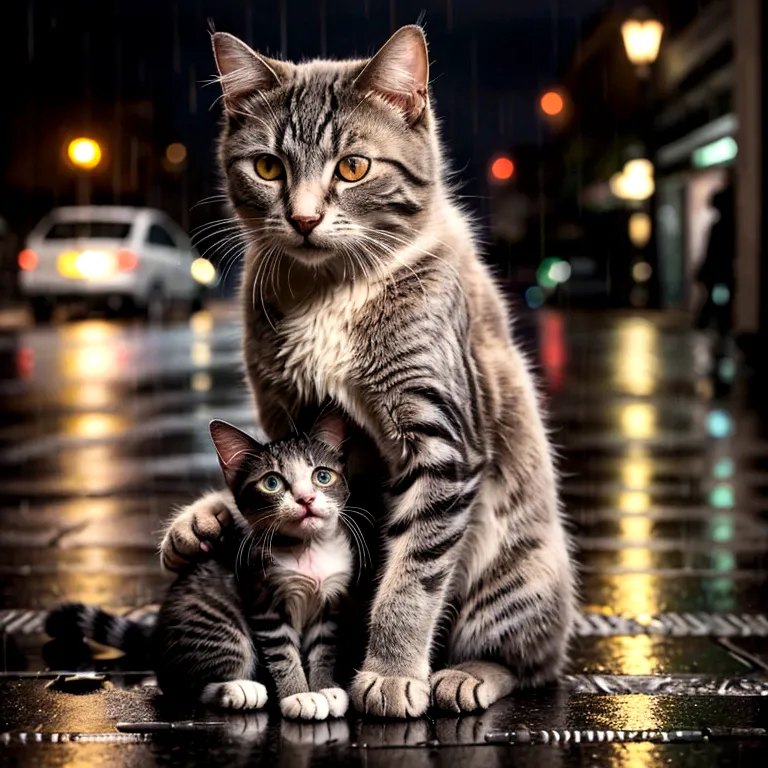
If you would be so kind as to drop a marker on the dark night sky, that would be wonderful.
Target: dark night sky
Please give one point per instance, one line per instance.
(67, 64)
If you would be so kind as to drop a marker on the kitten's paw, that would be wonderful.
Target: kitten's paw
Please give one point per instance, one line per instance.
(305, 706)
(235, 694)
(338, 701)
(381, 696)
(194, 531)
(470, 686)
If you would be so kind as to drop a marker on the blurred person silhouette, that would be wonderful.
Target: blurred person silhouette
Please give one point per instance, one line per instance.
(717, 273)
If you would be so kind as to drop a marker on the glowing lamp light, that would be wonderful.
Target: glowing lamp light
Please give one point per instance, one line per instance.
(28, 260)
(639, 229)
(552, 103)
(641, 272)
(642, 39)
(502, 169)
(635, 182)
(176, 153)
(84, 153)
(203, 271)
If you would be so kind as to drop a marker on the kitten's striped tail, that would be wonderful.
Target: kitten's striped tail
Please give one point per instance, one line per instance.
(75, 621)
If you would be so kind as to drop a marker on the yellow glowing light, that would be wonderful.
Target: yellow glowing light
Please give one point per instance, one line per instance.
(94, 425)
(176, 153)
(639, 229)
(201, 323)
(636, 473)
(635, 502)
(203, 271)
(638, 420)
(201, 381)
(201, 354)
(642, 40)
(635, 182)
(637, 357)
(85, 153)
(641, 272)
(636, 529)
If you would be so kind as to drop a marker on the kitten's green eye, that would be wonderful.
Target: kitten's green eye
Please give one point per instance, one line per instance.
(269, 167)
(271, 483)
(353, 168)
(325, 477)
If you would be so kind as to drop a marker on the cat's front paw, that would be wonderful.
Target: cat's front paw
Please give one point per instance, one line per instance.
(338, 701)
(305, 706)
(381, 696)
(235, 694)
(194, 531)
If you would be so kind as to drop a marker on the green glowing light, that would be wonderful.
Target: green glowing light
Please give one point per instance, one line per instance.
(723, 469)
(720, 151)
(719, 423)
(721, 496)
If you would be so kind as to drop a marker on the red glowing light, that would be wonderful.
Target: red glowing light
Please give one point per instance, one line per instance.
(502, 168)
(127, 260)
(552, 103)
(27, 260)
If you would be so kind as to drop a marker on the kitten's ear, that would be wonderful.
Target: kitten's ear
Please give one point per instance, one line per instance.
(233, 447)
(331, 430)
(242, 70)
(399, 73)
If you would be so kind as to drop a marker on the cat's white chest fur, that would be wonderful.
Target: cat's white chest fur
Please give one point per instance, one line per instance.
(316, 342)
(311, 576)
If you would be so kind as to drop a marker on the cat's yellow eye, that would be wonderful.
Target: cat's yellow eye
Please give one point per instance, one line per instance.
(353, 168)
(269, 167)
(271, 483)
(324, 477)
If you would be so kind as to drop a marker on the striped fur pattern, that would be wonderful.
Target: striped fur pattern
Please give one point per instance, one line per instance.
(267, 601)
(384, 308)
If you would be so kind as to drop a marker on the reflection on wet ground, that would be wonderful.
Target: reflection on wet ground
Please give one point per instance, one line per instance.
(665, 471)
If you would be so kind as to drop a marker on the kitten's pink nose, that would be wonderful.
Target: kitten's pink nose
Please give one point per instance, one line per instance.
(305, 224)
(306, 500)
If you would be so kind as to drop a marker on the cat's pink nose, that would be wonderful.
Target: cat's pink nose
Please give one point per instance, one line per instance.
(305, 224)
(306, 500)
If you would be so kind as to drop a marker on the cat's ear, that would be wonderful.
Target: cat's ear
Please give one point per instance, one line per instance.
(331, 430)
(233, 446)
(242, 70)
(399, 73)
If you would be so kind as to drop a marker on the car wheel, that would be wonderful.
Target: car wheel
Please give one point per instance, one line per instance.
(42, 309)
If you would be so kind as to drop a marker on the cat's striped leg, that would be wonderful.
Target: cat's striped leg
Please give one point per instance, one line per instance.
(320, 651)
(279, 643)
(436, 477)
(517, 613)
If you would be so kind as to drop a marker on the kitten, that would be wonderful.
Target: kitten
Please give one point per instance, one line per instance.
(363, 286)
(270, 594)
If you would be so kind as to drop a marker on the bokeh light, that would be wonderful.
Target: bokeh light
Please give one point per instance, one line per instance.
(552, 103)
(85, 153)
(502, 169)
(176, 153)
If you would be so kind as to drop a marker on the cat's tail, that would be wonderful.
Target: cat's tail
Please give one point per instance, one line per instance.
(75, 621)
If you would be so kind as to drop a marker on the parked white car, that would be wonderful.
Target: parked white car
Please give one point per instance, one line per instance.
(119, 257)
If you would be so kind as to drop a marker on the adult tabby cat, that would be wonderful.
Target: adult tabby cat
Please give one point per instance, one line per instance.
(363, 287)
(269, 597)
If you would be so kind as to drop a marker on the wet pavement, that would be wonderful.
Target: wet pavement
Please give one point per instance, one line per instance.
(664, 457)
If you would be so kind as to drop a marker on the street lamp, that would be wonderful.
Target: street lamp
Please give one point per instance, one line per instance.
(642, 38)
(84, 153)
